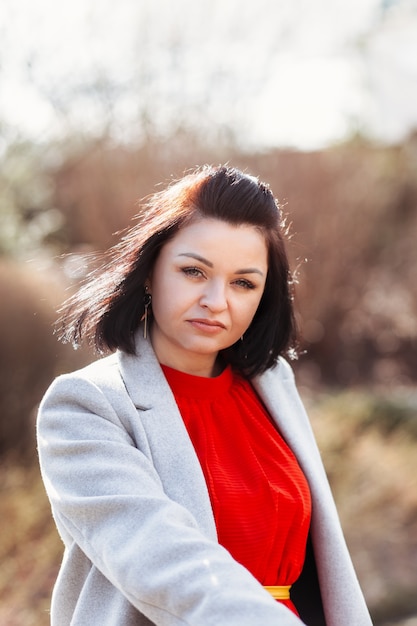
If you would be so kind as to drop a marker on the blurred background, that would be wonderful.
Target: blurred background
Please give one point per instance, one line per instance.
(100, 102)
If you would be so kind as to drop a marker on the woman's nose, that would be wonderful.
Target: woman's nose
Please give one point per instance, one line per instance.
(214, 297)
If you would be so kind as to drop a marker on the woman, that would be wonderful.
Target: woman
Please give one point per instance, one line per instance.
(182, 470)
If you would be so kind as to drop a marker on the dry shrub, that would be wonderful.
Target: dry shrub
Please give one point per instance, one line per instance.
(97, 189)
(354, 218)
(30, 355)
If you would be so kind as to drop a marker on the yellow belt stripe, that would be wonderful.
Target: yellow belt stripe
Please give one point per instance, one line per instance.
(279, 592)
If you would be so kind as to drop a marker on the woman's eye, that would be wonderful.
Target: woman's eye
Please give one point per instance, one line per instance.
(246, 284)
(192, 271)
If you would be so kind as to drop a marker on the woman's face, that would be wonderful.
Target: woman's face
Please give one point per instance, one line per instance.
(206, 285)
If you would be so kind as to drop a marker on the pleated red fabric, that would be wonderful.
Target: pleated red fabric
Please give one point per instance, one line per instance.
(259, 494)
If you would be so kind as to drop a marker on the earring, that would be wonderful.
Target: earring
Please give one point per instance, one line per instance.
(147, 300)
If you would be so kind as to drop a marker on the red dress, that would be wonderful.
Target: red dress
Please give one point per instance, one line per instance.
(259, 495)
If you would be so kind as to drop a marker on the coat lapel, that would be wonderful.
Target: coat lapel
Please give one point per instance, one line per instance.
(276, 388)
(342, 597)
(171, 449)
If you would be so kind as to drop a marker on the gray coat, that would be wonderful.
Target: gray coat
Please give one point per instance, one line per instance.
(130, 501)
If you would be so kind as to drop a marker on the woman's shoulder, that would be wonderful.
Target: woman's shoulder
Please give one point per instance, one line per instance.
(285, 367)
(95, 369)
(281, 370)
(102, 374)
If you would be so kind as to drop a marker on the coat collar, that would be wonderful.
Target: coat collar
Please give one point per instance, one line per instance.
(152, 396)
(143, 376)
(150, 392)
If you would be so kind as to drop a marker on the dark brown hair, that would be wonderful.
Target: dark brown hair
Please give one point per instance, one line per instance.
(108, 308)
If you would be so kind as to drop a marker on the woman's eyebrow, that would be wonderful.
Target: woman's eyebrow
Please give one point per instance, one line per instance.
(250, 270)
(197, 257)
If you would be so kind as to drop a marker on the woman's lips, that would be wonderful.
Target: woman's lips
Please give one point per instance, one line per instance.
(207, 326)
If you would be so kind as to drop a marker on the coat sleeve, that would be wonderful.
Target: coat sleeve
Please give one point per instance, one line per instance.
(107, 498)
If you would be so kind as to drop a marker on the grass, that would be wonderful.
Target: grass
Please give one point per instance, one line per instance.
(30, 549)
(368, 442)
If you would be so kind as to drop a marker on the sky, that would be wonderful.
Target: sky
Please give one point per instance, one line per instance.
(273, 73)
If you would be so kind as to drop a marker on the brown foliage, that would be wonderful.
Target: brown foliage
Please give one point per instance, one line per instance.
(97, 189)
(30, 355)
(354, 214)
